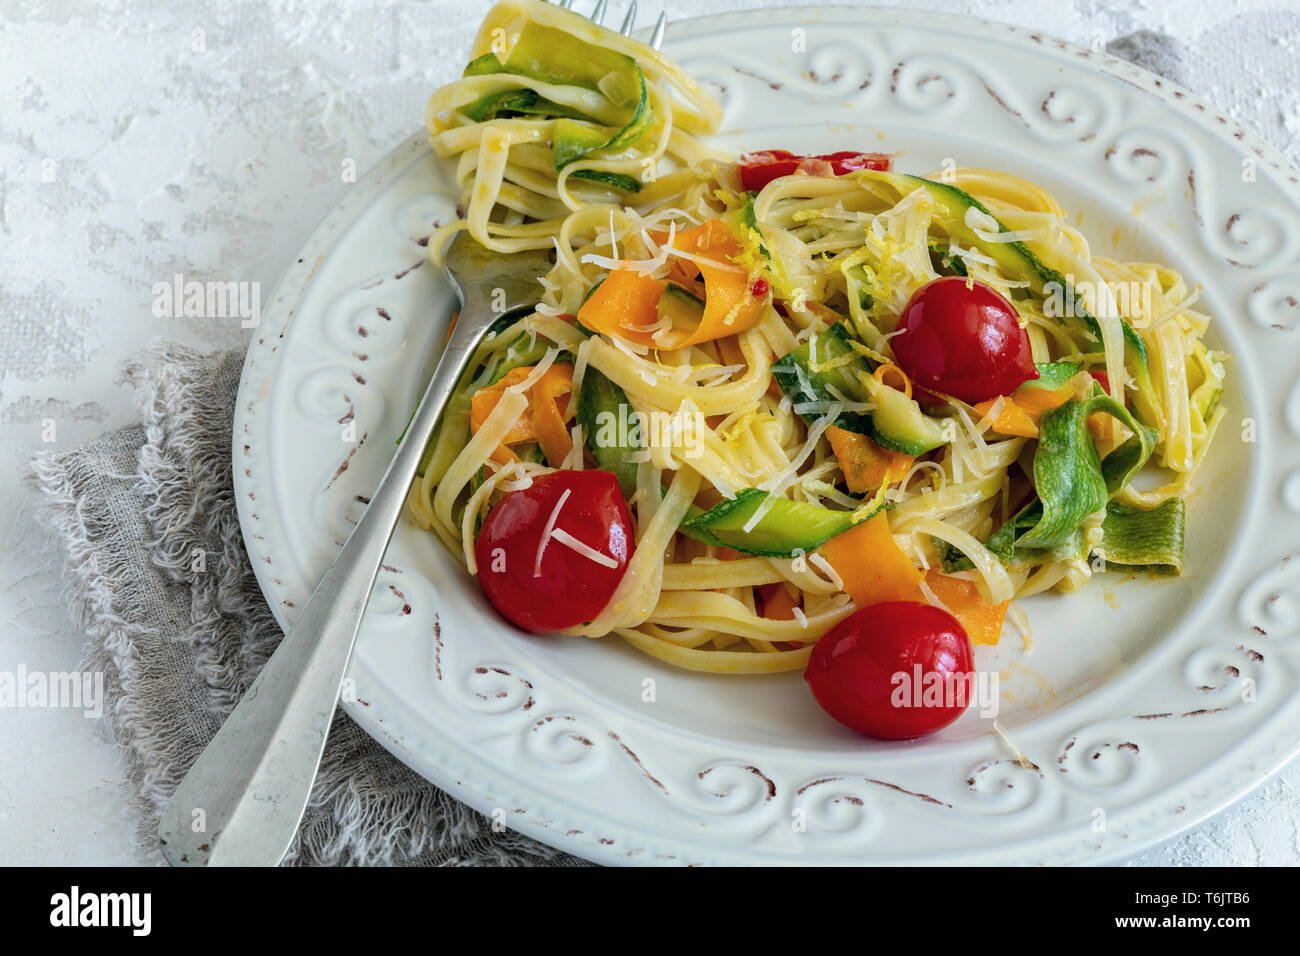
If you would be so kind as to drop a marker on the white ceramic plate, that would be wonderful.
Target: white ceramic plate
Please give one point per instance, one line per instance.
(1145, 705)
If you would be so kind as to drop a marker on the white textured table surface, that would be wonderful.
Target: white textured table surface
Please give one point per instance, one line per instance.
(140, 140)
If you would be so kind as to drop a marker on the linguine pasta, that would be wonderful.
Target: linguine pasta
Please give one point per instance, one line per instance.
(742, 401)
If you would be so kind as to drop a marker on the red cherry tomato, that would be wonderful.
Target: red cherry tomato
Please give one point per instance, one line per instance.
(848, 161)
(963, 341)
(871, 672)
(759, 169)
(567, 587)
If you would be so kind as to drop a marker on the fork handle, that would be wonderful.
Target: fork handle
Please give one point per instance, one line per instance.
(242, 800)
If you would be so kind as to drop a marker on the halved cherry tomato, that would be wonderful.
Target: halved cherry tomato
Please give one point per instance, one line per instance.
(872, 671)
(759, 169)
(961, 338)
(565, 587)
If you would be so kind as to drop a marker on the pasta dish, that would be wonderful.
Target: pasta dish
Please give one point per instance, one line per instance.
(764, 393)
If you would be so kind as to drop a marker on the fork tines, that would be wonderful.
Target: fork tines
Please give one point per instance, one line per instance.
(597, 15)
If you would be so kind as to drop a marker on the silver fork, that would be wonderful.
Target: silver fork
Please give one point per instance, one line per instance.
(242, 800)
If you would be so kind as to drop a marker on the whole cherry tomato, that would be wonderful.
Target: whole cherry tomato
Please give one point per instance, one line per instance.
(961, 338)
(872, 671)
(759, 169)
(552, 586)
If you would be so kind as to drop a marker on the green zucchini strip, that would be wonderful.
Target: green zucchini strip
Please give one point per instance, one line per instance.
(827, 369)
(609, 427)
(786, 530)
(626, 183)
(1068, 473)
(553, 56)
(1053, 375)
(838, 368)
(1150, 539)
(512, 103)
(1073, 483)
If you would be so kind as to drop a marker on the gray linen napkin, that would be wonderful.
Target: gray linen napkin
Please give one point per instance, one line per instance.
(178, 647)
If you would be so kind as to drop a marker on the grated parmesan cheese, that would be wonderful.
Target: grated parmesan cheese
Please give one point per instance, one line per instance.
(573, 461)
(582, 548)
(819, 562)
(933, 598)
(546, 532)
(538, 371)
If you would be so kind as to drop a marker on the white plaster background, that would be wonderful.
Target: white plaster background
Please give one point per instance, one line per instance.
(127, 156)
